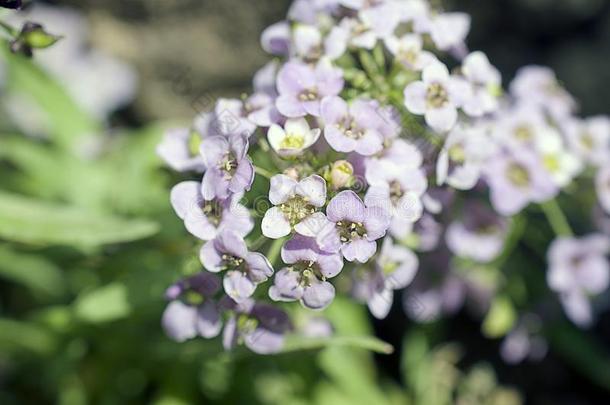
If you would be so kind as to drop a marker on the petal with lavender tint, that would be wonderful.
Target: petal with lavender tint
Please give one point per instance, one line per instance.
(370, 144)
(359, 250)
(264, 341)
(259, 267)
(274, 224)
(442, 119)
(212, 150)
(314, 189)
(295, 77)
(208, 321)
(238, 286)
(179, 321)
(578, 308)
(312, 225)
(346, 206)
(415, 98)
(276, 38)
(281, 189)
(230, 334)
(318, 295)
(211, 258)
(328, 238)
(376, 222)
(338, 140)
(595, 274)
(290, 106)
(243, 178)
(333, 109)
(198, 224)
(299, 249)
(380, 303)
(330, 264)
(286, 286)
(183, 196)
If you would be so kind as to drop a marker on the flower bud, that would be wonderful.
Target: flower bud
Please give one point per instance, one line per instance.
(341, 174)
(293, 173)
(32, 36)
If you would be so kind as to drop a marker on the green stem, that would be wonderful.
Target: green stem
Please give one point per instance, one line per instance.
(274, 250)
(556, 218)
(263, 172)
(9, 29)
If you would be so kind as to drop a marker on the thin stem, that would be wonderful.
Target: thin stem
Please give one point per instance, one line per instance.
(263, 172)
(9, 29)
(556, 218)
(274, 250)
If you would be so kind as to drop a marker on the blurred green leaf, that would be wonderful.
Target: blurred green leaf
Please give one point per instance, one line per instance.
(500, 318)
(32, 271)
(104, 304)
(34, 222)
(296, 343)
(68, 121)
(18, 336)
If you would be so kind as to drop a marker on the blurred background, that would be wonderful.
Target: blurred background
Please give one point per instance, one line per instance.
(81, 325)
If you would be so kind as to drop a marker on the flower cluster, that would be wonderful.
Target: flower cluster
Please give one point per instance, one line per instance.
(362, 147)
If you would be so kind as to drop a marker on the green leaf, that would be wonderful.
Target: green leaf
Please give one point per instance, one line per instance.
(34, 222)
(500, 318)
(582, 351)
(16, 336)
(32, 271)
(297, 343)
(104, 304)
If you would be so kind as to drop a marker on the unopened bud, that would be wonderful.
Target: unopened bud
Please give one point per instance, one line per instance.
(32, 36)
(341, 174)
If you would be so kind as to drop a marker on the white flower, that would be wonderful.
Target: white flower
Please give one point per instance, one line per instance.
(602, 185)
(590, 139)
(408, 50)
(486, 85)
(294, 138)
(562, 165)
(449, 30)
(460, 162)
(437, 97)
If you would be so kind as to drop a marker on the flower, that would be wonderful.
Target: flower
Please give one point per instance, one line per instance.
(203, 218)
(294, 138)
(578, 268)
(486, 85)
(229, 169)
(437, 96)
(524, 341)
(302, 87)
(478, 236)
(463, 156)
(590, 139)
(561, 164)
(305, 279)
(449, 30)
(408, 50)
(352, 128)
(244, 270)
(352, 227)
(261, 327)
(293, 202)
(179, 148)
(602, 185)
(394, 270)
(516, 180)
(193, 310)
(397, 190)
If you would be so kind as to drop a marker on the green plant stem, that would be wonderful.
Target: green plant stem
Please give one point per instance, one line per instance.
(556, 218)
(263, 172)
(274, 250)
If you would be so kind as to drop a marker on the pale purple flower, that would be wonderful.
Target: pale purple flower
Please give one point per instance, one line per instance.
(205, 218)
(260, 110)
(265, 79)
(463, 156)
(516, 180)
(294, 201)
(232, 116)
(352, 128)
(486, 85)
(179, 148)
(579, 268)
(394, 269)
(478, 236)
(229, 169)
(276, 39)
(590, 139)
(302, 87)
(602, 185)
(310, 46)
(524, 341)
(244, 270)
(437, 96)
(193, 311)
(519, 126)
(409, 51)
(423, 236)
(352, 227)
(539, 85)
(260, 327)
(449, 30)
(305, 277)
(397, 190)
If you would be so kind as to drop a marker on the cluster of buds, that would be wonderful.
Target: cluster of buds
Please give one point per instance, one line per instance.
(372, 150)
